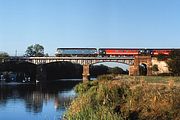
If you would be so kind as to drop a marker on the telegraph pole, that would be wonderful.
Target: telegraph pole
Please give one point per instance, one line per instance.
(15, 53)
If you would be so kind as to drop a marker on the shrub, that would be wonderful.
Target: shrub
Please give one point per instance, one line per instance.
(83, 87)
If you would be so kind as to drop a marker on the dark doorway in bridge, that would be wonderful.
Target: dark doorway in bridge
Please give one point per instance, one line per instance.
(143, 69)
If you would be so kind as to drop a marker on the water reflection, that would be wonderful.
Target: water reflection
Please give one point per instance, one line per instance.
(25, 101)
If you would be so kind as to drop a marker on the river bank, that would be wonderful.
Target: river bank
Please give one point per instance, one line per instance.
(124, 97)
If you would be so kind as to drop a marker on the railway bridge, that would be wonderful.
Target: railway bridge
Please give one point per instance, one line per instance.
(132, 61)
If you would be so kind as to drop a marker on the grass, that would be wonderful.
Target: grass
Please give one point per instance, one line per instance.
(126, 98)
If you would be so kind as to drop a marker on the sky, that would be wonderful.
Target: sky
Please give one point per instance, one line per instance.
(88, 23)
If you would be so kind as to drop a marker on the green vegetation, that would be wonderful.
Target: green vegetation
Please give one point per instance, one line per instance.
(117, 70)
(174, 62)
(3, 55)
(161, 57)
(125, 97)
(35, 51)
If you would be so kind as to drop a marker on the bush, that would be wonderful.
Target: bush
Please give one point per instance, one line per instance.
(106, 77)
(83, 87)
(161, 57)
(174, 62)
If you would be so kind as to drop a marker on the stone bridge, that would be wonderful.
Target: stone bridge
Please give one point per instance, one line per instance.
(133, 62)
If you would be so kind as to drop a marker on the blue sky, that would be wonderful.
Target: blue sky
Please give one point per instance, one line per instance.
(88, 23)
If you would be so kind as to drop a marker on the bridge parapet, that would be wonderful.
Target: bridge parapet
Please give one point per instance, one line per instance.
(79, 60)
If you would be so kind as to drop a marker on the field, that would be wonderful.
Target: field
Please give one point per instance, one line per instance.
(114, 97)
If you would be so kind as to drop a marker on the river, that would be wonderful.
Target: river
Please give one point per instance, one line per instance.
(35, 102)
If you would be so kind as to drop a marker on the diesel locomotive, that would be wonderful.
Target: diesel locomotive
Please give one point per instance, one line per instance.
(76, 52)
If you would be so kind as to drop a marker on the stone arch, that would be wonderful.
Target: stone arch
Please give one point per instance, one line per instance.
(62, 70)
(143, 69)
(121, 63)
(134, 69)
(20, 70)
(127, 62)
(12, 65)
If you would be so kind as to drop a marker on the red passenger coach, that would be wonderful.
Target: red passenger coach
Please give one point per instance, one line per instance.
(161, 51)
(118, 52)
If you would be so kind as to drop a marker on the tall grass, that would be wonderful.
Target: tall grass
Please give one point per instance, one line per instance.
(125, 98)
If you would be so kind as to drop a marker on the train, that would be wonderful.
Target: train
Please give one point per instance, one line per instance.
(109, 52)
(76, 52)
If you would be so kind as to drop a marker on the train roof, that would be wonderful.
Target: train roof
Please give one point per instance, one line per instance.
(78, 48)
(122, 48)
(119, 48)
(142, 48)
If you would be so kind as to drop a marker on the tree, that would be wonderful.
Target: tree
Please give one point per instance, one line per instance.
(161, 57)
(174, 62)
(116, 70)
(98, 70)
(3, 55)
(35, 51)
(46, 55)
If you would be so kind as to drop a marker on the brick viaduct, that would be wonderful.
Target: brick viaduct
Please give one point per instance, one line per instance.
(133, 63)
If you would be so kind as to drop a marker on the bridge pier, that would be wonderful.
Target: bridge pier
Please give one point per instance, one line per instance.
(85, 72)
(149, 70)
(134, 70)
